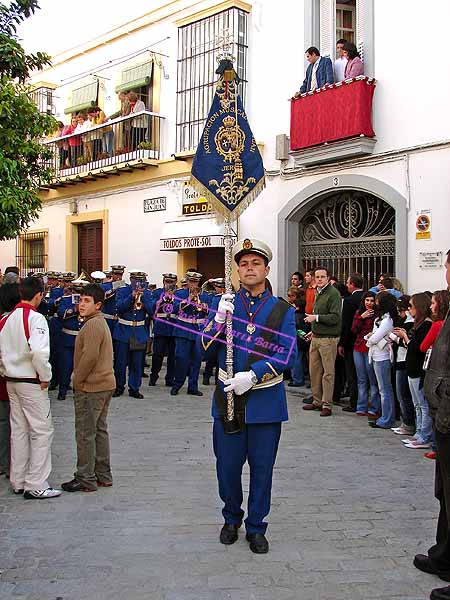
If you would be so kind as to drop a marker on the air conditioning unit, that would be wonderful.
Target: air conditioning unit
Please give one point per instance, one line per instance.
(282, 147)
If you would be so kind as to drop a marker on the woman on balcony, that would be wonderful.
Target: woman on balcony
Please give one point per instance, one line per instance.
(355, 65)
(138, 124)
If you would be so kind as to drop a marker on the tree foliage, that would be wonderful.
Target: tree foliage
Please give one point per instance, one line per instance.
(23, 160)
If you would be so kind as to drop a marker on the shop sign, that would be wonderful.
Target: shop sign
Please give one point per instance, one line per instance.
(423, 224)
(430, 260)
(154, 204)
(194, 203)
(198, 241)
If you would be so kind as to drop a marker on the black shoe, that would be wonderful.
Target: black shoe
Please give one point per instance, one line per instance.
(152, 382)
(18, 491)
(349, 409)
(75, 486)
(258, 543)
(292, 384)
(118, 392)
(52, 386)
(308, 400)
(440, 593)
(169, 384)
(174, 391)
(195, 393)
(423, 563)
(375, 426)
(61, 396)
(144, 375)
(135, 394)
(229, 534)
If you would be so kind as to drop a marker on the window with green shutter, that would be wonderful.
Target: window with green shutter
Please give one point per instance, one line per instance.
(135, 77)
(83, 98)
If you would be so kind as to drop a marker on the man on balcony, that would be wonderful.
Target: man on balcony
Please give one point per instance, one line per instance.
(318, 73)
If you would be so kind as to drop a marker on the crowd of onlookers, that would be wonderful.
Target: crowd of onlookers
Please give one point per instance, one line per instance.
(90, 143)
(382, 351)
(322, 71)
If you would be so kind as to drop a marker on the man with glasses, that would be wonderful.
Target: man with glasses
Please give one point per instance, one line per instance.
(437, 392)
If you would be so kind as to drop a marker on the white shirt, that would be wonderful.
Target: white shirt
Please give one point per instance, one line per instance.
(22, 358)
(379, 343)
(314, 76)
(339, 69)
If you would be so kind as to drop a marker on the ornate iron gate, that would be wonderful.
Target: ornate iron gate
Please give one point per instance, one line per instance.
(349, 232)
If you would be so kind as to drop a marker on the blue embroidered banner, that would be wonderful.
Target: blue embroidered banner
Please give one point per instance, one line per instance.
(227, 166)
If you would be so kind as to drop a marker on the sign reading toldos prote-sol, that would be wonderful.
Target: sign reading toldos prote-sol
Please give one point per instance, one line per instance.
(197, 241)
(193, 202)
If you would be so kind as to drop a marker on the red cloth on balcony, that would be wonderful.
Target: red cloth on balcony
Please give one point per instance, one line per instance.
(335, 113)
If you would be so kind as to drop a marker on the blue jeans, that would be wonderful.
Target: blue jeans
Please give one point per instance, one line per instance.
(366, 377)
(298, 373)
(382, 370)
(405, 400)
(423, 420)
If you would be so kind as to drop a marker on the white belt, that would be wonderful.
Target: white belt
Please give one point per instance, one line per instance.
(193, 320)
(132, 323)
(259, 386)
(107, 316)
(69, 331)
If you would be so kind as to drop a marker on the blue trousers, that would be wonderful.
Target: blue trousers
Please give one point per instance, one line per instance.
(187, 363)
(124, 358)
(163, 345)
(257, 444)
(66, 368)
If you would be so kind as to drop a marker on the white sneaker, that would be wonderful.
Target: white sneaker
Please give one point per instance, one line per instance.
(418, 446)
(41, 494)
(409, 440)
(401, 431)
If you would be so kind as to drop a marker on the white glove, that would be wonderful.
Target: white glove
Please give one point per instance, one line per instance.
(225, 305)
(240, 383)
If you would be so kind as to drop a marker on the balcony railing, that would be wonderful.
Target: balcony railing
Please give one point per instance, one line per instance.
(122, 140)
(334, 113)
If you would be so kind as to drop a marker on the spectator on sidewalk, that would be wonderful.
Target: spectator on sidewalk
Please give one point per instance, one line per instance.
(24, 354)
(297, 279)
(386, 284)
(310, 291)
(93, 383)
(366, 379)
(325, 321)
(9, 297)
(437, 392)
(318, 73)
(302, 328)
(350, 305)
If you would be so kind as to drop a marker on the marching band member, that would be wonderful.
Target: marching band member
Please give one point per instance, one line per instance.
(211, 366)
(163, 319)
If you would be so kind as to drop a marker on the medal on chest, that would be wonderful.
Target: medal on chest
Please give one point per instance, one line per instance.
(251, 327)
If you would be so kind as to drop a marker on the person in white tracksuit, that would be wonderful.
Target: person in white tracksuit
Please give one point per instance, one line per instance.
(24, 362)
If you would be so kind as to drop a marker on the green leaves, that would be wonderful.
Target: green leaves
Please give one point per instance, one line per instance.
(24, 162)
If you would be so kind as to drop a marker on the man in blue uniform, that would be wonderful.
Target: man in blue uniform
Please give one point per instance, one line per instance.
(163, 339)
(191, 307)
(109, 306)
(54, 294)
(264, 339)
(71, 323)
(211, 365)
(134, 304)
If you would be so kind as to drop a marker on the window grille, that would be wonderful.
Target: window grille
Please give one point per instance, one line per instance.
(31, 252)
(199, 45)
(43, 98)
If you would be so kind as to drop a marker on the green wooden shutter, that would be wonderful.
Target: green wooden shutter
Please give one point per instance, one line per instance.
(83, 98)
(135, 77)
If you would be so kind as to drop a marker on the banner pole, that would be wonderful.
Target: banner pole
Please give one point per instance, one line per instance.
(228, 241)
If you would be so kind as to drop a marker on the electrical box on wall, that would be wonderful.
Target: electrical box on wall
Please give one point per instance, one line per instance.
(282, 147)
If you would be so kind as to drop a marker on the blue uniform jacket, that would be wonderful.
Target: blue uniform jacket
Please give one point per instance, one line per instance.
(54, 323)
(324, 74)
(267, 399)
(190, 321)
(69, 320)
(109, 305)
(126, 312)
(163, 315)
(55, 293)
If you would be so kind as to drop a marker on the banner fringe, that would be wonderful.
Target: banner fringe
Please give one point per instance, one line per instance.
(221, 212)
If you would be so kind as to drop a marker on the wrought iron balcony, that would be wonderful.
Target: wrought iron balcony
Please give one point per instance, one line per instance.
(132, 141)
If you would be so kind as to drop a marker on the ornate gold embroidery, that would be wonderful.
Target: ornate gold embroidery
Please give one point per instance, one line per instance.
(247, 245)
(267, 377)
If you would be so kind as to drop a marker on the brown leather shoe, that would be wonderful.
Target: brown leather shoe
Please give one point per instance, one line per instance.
(325, 412)
(311, 407)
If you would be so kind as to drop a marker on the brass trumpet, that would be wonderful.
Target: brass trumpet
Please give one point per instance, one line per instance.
(138, 301)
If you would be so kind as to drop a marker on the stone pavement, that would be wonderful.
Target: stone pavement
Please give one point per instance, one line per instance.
(350, 508)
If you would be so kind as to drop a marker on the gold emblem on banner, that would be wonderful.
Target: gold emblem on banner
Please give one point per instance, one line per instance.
(229, 139)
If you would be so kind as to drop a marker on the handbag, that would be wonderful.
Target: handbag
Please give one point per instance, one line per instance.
(136, 346)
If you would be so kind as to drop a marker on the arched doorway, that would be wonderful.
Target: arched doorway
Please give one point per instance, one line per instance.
(311, 196)
(349, 231)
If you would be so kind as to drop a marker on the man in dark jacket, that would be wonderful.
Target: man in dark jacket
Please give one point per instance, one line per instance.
(437, 392)
(318, 73)
(345, 347)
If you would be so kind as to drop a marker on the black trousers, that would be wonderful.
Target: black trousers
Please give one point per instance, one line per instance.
(439, 554)
(163, 345)
(350, 373)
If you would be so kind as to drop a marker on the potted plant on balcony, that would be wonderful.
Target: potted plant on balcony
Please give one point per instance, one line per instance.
(81, 161)
(145, 150)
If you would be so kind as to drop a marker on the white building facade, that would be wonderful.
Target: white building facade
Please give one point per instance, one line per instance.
(367, 204)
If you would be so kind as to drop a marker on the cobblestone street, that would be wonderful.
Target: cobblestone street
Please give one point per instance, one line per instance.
(350, 509)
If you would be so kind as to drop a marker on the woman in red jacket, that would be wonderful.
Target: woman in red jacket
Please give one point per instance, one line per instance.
(361, 326)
